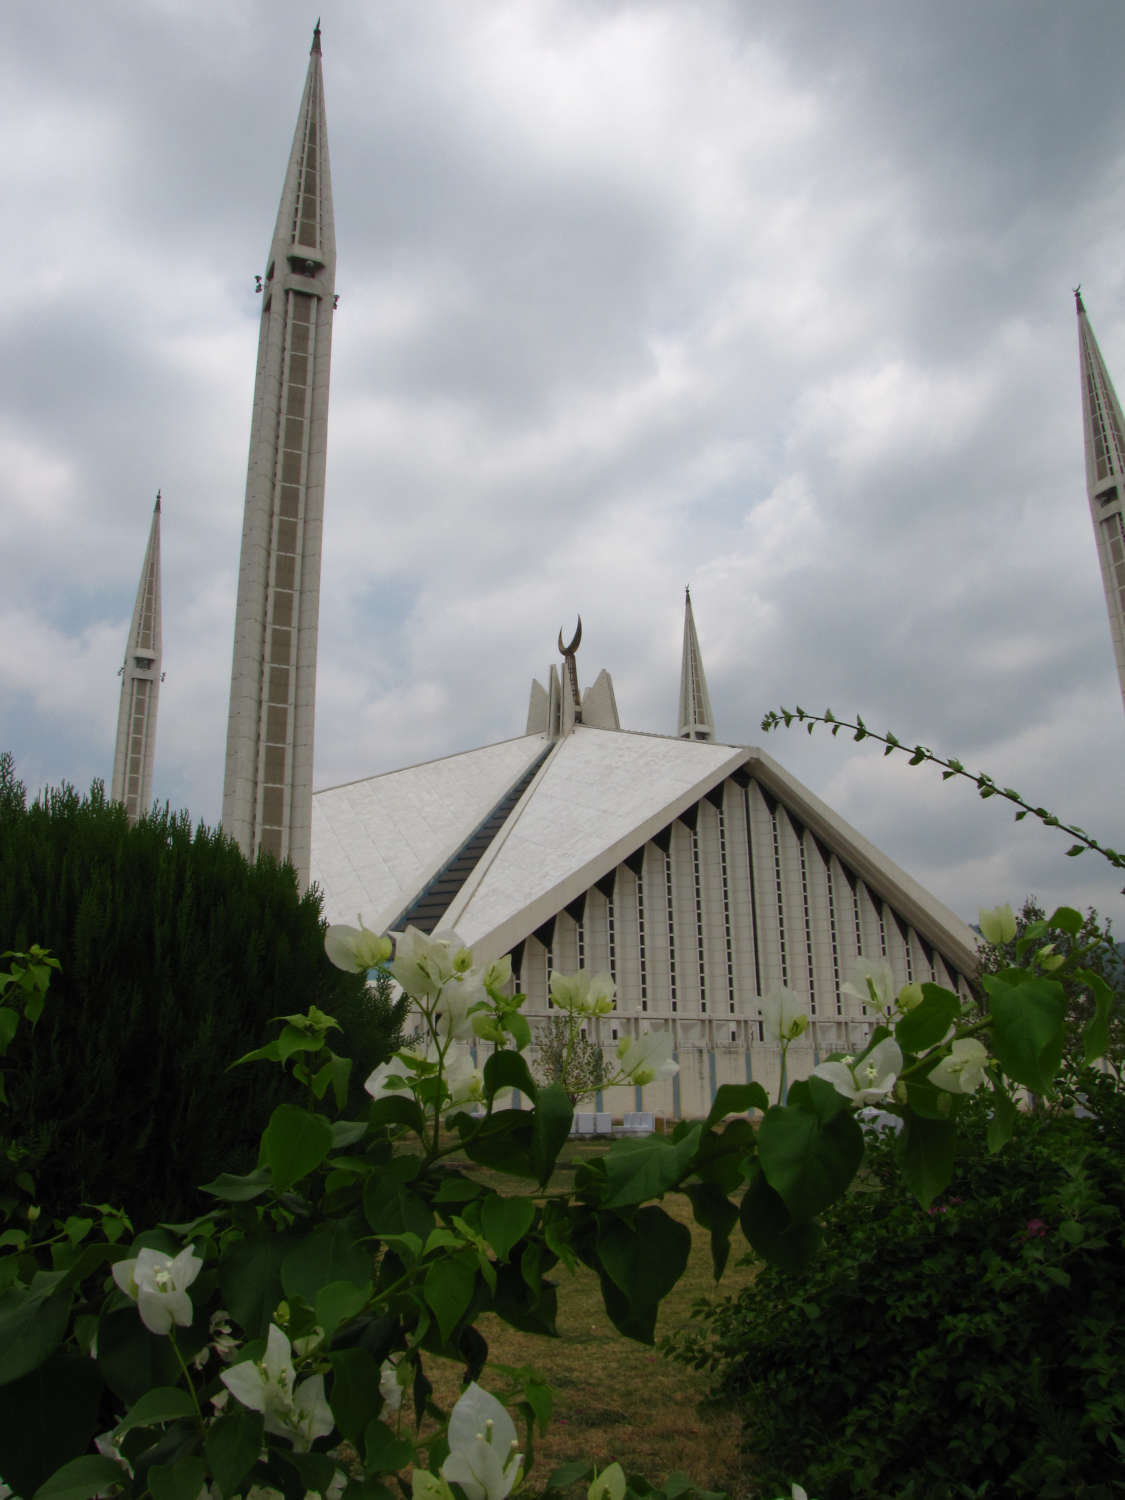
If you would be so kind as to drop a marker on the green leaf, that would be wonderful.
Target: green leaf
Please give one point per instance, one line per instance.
(355, 1398)
(398, 1109)
(1027, 1029)
(643, 1260)
(927, 1148)
(1003, 1120)
(32, 1323)
(736, 1099)
(505, 1221)
(808, 1161)
(335, 1073)
(572, 1472)
(714, 1211)
(517, 1028)
(338, 1302)
(295, 1143)
(232, 1444)
(181, 1480)
(448, 1289)
(925, 1025)
(47, 1417)
(291, 1040)
(637, 1170)
(81, 1478)
(164, 1404)
(328, 1254)
(1066, 919)
(250, 1280)
(345, 1133)
(771, 1229)
(234, 1189)
(1095, 1033)
(505, 1141)
(457, 1190)
(383, 1453)
(552, 1118)
(508, 1070)
(317, 1470)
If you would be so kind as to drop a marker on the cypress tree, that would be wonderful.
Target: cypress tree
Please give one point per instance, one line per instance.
(176, 955)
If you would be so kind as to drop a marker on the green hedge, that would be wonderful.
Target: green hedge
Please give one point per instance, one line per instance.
(176, 953)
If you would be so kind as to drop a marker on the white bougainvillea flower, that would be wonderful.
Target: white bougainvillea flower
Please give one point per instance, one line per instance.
(608, 1485)
(463, 1079)
(424, 962)
(356, 949)
(393, 1380)
(871, 982)
(298, 1412)
(482, 1447)
(648, 1058)
(997, 925)
(584, 993)
(388, 1078)
(963, 1071)
(871, 1077)
(784, 1016)
(158, 1284)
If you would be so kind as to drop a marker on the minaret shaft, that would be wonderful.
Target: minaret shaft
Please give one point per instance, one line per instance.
(696, 721)
(1104, 433)
(267, 795)
(140, 688)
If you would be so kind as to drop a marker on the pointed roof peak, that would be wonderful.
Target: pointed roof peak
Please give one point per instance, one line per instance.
(696, 721)
(156, 507)
(1080, 306)
(314, 50)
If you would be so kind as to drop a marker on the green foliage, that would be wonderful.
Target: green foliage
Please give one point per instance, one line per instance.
(972, 1349)
(1087, 949)
(175, 955)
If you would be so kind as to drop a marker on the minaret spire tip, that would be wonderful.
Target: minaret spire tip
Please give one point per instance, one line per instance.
(314, 50)
(1079, 304)
(156, 507)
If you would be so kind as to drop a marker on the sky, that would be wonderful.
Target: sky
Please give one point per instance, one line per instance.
(770, 299)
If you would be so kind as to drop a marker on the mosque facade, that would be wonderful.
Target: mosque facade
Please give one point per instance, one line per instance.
(700, 875)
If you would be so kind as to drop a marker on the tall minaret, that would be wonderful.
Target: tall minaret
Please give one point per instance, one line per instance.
(140, 687)
(696, 722)
(1104, 429)
(267, 794)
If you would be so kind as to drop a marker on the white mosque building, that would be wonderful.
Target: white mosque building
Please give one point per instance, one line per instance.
(701, 875)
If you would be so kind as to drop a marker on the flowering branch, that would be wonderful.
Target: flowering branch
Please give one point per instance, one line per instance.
(986, 787)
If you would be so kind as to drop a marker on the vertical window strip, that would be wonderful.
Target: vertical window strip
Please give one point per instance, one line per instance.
(671, 927)
(834, 935)
(779, 897)
(698, 919)
(641, 937)
(547, 967)
(611, 927)
(808, 925)
(724, 875)
(580, 927)
(753, 890)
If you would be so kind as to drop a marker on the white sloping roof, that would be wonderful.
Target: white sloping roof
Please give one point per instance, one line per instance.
(600, 794)
(376, 843)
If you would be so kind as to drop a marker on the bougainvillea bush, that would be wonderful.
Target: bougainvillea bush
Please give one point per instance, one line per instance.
(975, 1347)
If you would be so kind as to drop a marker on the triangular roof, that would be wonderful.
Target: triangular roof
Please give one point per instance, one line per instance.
(596, 798)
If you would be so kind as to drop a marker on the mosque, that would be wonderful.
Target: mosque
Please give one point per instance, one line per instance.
(701, 875)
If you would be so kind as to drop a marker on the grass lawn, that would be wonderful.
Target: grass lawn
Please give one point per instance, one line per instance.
(616, 1399)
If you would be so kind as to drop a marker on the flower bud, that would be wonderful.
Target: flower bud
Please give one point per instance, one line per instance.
(909, 997)
(997, 925)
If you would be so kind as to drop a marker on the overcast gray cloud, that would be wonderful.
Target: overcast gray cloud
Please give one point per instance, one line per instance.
(770, 299)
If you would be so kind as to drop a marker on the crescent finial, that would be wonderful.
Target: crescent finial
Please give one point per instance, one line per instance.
(573, 647)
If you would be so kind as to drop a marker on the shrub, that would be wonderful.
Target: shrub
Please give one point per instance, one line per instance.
(972, 1349)
(175, 953)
